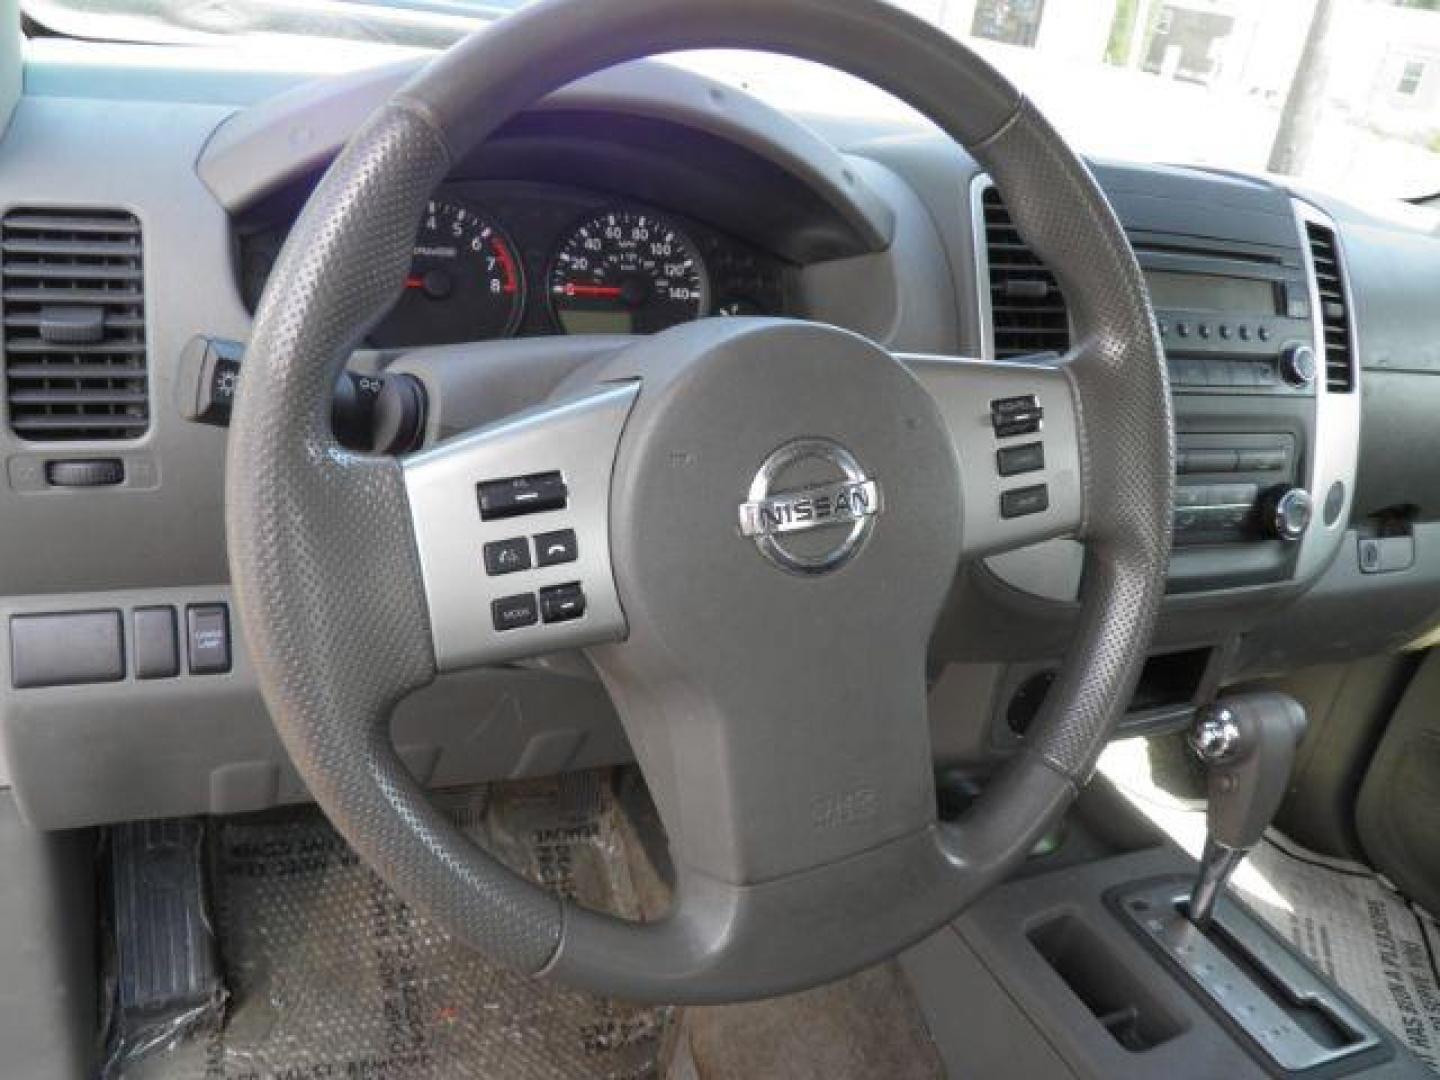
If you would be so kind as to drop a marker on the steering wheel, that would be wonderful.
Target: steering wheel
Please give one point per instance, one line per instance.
(766, 515)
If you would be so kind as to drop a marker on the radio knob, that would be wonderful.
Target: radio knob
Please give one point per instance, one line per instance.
(1286, 512)
(1297, 364)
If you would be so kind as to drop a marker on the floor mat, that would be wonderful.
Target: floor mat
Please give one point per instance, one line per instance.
(333, 977)
(858, 1028)
(1346, 919)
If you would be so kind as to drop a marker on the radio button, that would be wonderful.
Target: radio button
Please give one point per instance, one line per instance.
(1261, 460)
(1263, 333)
(1244, 332)
(1208, 461)
(1297, 303)
(1217, 373)
(1203, 330)
(1232, 517)
(1232, 494)
(1188, 371)
(1183, 329)
(1242, 373)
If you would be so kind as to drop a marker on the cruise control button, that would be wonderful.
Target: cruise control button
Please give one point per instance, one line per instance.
(561, 603)
(517, 495)
(1020, 502)
(1019, 415)
(513, 612)
(554, 548)
(507, 556)
(1014, 460)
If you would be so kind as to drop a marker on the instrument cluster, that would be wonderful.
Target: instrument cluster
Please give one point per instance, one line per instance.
(495, 260)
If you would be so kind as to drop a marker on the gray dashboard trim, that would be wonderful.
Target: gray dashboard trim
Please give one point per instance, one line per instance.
(258, 151)
(162, 527)
(980, 184)
(1335, 454)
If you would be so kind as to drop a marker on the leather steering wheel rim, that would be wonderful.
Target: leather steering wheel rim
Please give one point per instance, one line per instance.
(335, 649)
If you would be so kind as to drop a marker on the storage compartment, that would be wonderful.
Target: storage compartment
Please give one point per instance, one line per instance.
(1168, 680)
(1163, 699)
(1119, 1001)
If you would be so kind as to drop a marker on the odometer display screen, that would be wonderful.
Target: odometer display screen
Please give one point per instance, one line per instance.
(627, 272)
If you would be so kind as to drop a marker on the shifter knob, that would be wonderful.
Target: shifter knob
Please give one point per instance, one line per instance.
(1247, 743)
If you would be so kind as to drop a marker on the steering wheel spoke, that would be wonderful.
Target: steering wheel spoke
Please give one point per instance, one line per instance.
(1016, 430)
(512, 527)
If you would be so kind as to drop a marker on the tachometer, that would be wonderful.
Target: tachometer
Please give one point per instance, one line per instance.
(465, 283)
(627, 272)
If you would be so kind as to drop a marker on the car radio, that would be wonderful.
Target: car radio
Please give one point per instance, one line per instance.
(1231, 323)
(1234, 322)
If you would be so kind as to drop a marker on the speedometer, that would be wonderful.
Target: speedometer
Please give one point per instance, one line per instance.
(627, 272)
(465, 283)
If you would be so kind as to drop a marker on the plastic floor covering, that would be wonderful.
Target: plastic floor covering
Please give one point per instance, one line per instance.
(1349, 922)
(332, 977)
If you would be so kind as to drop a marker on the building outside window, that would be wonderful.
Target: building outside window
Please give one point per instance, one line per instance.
(1186, 43)
(1015, 22)
(1410, 78)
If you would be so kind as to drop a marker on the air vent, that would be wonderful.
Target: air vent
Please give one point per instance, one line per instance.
(1334, 309)
(74, 324)
(1026, 309)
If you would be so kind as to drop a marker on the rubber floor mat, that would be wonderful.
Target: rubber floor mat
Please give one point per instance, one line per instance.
(333, 977)
(1344, 918)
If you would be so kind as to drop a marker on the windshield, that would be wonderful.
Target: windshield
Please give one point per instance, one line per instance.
(1341, 93)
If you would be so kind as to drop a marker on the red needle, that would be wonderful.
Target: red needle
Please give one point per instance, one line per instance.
(605, 291)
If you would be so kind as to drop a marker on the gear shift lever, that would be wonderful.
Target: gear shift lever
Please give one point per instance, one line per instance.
(1247, 743)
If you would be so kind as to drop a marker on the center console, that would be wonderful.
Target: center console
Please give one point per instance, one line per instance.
(1252, 308)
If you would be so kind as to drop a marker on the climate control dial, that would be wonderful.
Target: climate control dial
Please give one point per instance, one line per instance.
(1286, 512)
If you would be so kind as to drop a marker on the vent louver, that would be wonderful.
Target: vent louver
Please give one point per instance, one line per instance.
(72, 286)
(1027, 311)
(1334, 309)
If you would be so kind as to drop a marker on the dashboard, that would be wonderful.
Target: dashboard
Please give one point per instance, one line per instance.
(508, 259)
(629, 203)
